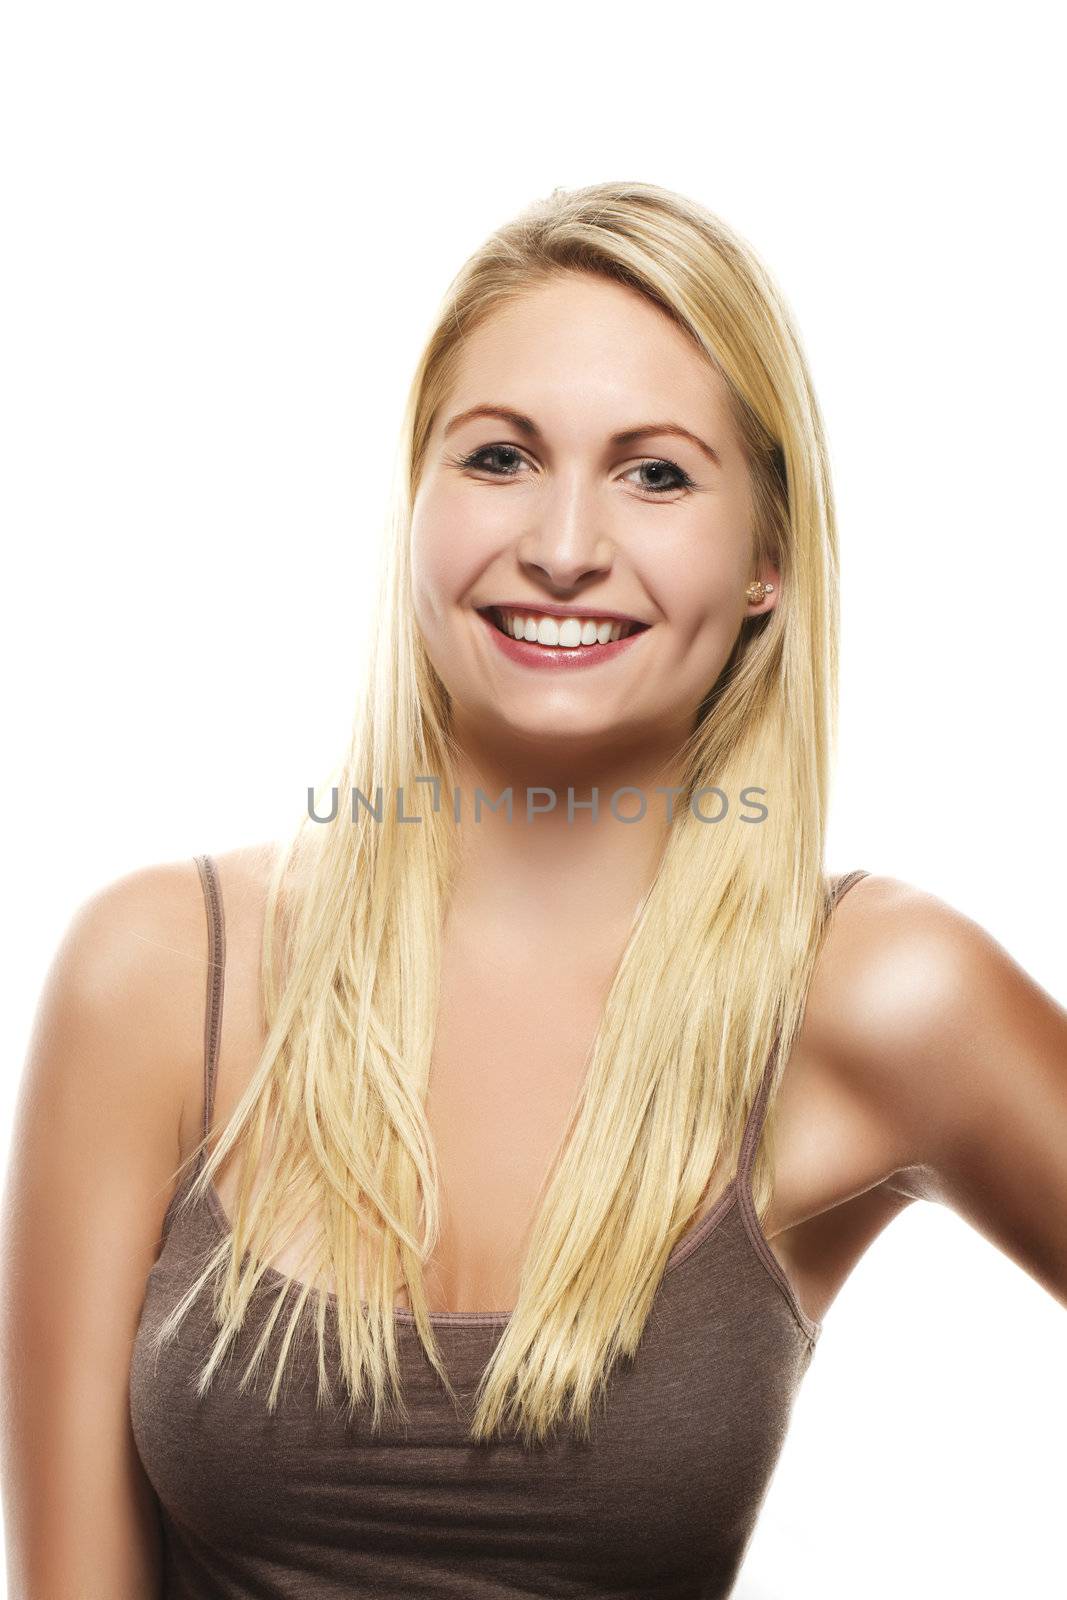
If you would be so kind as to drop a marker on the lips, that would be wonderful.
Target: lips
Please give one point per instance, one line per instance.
(590, 648)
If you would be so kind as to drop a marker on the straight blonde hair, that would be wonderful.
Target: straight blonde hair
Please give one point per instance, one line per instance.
(711, 986)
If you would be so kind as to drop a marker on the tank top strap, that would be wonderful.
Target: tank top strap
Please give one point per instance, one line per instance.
(758, 1114)
(216, 974)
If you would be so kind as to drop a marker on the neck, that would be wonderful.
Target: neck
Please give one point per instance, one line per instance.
(557, 866)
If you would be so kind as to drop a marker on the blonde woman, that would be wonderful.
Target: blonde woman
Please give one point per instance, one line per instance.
(448, 1200)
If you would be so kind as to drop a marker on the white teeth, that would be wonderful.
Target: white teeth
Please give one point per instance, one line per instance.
(567, 632)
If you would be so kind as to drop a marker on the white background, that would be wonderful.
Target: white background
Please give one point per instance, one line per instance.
(227, 230)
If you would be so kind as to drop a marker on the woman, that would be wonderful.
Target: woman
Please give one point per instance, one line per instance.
(522, 1150)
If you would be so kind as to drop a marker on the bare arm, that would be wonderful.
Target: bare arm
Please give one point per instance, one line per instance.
(961, 1058)
(91, 1169)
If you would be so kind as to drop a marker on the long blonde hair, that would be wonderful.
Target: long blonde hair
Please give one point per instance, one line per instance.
(712, 983)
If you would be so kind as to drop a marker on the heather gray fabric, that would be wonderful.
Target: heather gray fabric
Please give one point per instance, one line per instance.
(661, 1502)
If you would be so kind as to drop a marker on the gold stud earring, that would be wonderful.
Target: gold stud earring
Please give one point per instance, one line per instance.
(757, 592)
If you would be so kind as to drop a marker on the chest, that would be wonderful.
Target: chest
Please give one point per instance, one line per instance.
(514, 1033)
(515, 1026)
(660, 1500)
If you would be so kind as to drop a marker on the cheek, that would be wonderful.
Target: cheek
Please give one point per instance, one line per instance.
(698, 571)
(445, 554)
(701, 598)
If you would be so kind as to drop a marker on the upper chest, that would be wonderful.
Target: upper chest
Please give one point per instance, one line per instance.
(517, 1018)
(516, 1022)
(515, 1028)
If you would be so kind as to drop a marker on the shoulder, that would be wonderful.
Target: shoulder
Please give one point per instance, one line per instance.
(123, 997)
(898, 962)
(900, 965)
(110, 1066)
(915, 1009)
(122, 987)
(128, 940)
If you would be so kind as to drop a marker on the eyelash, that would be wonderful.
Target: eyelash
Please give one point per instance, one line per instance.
(468, 462)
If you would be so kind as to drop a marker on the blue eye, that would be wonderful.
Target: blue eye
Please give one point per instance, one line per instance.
(476, 461)
(683, 480)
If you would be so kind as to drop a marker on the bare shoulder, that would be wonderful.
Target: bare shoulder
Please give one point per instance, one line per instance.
(115, 1058)
(125, 991)
(929, 1066)
(893, 956)
(902, 983)
(132, 948)
(128, 971)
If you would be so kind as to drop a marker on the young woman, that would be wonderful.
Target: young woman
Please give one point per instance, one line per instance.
(474, 1236)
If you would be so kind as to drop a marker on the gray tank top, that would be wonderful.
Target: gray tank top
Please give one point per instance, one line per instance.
(661, 1501)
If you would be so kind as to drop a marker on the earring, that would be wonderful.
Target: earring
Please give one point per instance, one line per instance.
(756, 592)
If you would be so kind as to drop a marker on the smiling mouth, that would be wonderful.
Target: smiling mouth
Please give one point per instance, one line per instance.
(567, 633)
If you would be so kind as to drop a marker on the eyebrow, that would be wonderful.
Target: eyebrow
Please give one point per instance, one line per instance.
(527, 426)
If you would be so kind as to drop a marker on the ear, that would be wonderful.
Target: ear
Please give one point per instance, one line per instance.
(766, 574)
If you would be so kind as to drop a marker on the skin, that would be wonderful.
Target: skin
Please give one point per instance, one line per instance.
(580, 522)
(929, 1064)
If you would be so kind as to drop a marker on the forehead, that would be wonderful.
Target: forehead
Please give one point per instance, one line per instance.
(582, 349)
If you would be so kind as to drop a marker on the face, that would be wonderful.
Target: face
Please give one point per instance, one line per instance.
(585, 466)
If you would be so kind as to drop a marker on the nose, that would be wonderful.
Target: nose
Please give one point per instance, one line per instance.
(566, 545)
